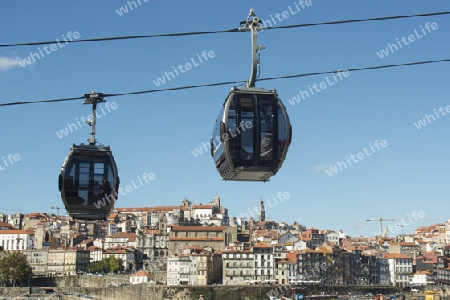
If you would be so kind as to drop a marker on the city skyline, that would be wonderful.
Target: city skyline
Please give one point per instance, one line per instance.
(333, 116)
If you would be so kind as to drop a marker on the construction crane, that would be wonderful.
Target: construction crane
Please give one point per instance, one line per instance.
(381, 220)
(57, 209)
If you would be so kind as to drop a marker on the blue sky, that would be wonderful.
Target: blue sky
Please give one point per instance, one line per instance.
(157, 133)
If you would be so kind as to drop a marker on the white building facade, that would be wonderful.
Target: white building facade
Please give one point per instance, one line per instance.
(400, 268)
(181, 270)
(264, 263)
(17, 239)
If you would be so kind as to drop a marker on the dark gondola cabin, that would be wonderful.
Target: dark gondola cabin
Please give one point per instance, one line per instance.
(251, 136)
(89, 182)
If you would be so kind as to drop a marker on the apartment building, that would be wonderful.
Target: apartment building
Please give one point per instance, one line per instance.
(263, 263)
(181, 270)
(238, 266)
(17, 239)
(406, 248)
(38, 261)
(67, 261)
(400, 267)
(121, 239)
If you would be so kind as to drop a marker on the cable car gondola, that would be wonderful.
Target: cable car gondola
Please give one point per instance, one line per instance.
(89, 181)
(252, 133)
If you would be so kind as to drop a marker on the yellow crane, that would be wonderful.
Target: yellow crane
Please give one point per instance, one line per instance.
(381, 220)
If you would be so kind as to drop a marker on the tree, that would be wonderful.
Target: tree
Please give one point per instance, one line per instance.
(106, 265)
(14, 267)
(116, 264)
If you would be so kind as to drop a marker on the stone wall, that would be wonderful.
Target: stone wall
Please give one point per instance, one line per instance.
(160, 292)
(109, 288)
(9, 292)
(92, 281)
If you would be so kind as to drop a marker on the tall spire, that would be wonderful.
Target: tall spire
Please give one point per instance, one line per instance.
(262, 212)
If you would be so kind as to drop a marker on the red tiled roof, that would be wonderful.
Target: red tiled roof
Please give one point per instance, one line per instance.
(16, 231)
(395, 255)
(130, 235)
(141, 273)
(115, 251)
(150, 209)
(423, 272)
(3, 224)
(94, 248)
(203, 206)
(204, 239)
(230, 250)
(408, 244)
(262, 245)
(198, 228)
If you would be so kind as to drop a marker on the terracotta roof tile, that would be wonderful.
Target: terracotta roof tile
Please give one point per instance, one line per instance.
(262, 245)
(395, 255)
(3, 224)
(204, 239)
(141, 273)
(16, 231)
(198, 228)
(130, 235)
(203, 206)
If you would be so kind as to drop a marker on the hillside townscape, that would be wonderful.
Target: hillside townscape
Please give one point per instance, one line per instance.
(201, 244)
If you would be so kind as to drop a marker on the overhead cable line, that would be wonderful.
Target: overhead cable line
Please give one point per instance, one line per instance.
(127, 37)
(361, 20)
(229, 82)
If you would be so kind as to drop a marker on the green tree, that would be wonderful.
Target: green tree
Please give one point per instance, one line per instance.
(116, 264)
(106, 265)
(14, 267)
